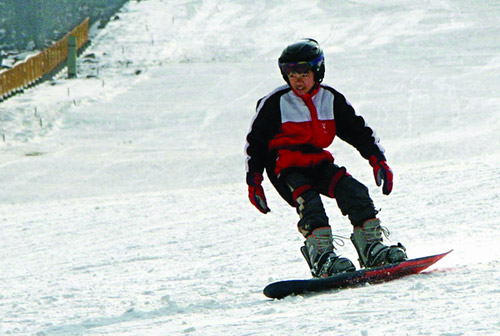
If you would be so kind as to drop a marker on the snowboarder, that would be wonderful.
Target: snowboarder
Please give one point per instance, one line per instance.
(288, 136)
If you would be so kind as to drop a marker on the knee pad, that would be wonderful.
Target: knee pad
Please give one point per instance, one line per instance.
(335, 180)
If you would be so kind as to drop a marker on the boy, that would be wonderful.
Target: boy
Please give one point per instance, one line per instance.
(288, 136)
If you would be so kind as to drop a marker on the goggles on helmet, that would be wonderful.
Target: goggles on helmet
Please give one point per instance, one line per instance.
(300, 67)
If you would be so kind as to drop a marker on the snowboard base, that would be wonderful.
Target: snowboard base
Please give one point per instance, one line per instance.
(281, 289)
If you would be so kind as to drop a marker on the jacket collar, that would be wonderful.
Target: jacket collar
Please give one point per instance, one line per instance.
(310, 94)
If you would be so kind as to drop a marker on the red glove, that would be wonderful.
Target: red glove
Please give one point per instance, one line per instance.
(381, 171)
(256, 192)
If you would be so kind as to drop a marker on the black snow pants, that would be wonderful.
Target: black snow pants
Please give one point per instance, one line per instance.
(303, 187)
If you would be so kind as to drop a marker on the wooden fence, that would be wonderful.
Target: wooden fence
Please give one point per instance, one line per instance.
(35, 68)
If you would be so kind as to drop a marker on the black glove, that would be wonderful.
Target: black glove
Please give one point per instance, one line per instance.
(382, 172)
(256, 192)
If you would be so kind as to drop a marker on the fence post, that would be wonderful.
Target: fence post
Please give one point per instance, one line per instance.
(72, 49)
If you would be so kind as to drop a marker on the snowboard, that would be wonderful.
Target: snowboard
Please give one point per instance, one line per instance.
(281, 289)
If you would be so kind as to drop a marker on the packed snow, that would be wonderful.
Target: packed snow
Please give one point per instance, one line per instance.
(124, 207)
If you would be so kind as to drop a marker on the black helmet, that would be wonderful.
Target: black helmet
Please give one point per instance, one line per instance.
(303, 56)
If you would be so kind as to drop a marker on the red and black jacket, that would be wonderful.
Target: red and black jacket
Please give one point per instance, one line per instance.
(293, 131)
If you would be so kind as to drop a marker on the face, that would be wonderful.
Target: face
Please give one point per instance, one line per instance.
(302, 83)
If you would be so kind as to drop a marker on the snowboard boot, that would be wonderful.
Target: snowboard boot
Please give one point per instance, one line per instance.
(319, 254)
(372, 252)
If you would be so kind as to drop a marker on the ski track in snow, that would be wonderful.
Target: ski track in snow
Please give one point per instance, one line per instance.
(124, 207)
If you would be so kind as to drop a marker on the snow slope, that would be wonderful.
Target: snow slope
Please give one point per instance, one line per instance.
(124, 209)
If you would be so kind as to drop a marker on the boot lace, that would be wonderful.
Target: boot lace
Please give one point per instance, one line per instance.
(338, 240)
(386, 232)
